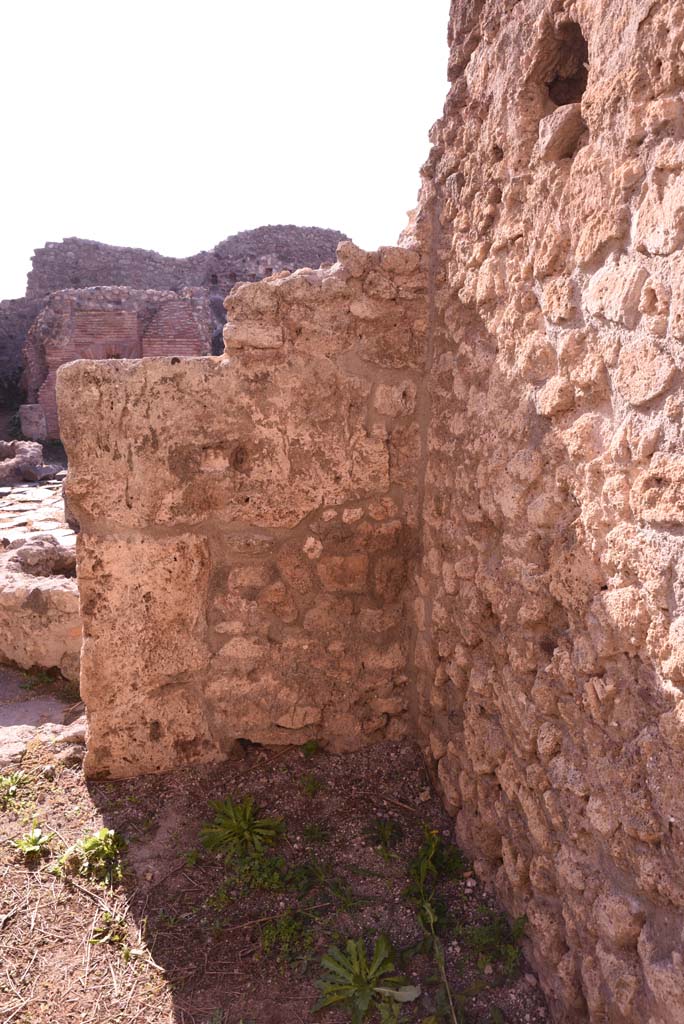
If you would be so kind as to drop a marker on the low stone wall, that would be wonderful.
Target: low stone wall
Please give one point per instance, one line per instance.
(243, 574)
(75, 265)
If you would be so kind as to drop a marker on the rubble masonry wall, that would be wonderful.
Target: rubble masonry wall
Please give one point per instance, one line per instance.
(247, 523)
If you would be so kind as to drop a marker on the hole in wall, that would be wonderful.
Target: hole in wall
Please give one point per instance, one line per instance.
(238, 458)
(570, 70)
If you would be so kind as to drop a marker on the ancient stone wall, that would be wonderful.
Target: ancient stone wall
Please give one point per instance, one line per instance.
(81, 263)
(247, 523)
(247, 256)
(77, 263)
(551, 645)
(106, 323)
(540, 602)
(16, 316)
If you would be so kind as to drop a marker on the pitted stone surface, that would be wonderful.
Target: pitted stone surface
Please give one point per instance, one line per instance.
(550, 649)
(244, 574)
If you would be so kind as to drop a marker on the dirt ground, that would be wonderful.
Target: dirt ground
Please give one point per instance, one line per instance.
(185, 937)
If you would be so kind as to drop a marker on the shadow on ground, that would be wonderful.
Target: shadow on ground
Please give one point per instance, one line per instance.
(183, 937)
(233, 952)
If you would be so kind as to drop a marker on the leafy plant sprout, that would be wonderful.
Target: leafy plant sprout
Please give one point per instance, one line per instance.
(97, 856)
(433, 859)
(111, 929)
(311, 784)
(361, 983)
(236, 829)
(494, 941)
(384, 833)
(310, 748)
(9, 786)
(34, 844)
(287, 937)
(316, 832)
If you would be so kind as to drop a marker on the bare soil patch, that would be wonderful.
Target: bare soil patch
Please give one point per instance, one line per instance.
(185, 937)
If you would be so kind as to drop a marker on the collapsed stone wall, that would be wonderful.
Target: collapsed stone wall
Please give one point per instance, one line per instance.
(541, 609)
(242, 574)
(106, 323)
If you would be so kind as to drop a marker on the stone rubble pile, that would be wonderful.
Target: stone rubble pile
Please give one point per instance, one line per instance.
(40, 624)
(23, 460)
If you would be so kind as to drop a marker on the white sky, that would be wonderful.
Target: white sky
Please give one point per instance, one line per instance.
(171, 125)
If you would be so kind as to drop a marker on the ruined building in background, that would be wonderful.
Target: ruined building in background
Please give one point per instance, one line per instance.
(96, 318)
(106, 323)
(437, 491)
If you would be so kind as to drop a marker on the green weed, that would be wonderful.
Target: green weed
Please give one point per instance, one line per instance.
(342, 895)
(389, 1012)
(311, 785)
(287, 937)
(166, 920)
(384, 834)
(264, 872)
(495, 941)
(236, 829)
(315, 832)
(111, 931)
(435, 861)
(9, 786)
(38, 678)
(222, 898)
(33, 845)
(309, 875)
(97, 857)
(310, 749)
(362, 983)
